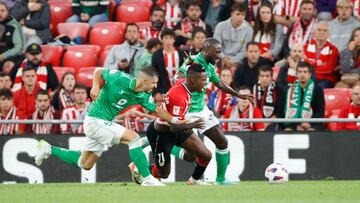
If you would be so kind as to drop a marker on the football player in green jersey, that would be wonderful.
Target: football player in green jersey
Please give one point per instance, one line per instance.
(112, 92)
(198, 109)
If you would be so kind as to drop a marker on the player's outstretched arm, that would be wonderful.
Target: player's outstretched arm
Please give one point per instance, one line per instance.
(97, 83)
(226, 88)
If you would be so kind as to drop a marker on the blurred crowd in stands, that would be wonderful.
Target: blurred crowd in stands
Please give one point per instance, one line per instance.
(299, 58)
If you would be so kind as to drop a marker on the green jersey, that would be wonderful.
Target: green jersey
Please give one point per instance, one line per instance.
(117, 94)
(197, 101)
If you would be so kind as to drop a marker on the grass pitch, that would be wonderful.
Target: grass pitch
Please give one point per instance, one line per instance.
(246, 191)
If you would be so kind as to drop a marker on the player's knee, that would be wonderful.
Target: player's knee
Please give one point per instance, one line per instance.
(207, 156)
(222, 143)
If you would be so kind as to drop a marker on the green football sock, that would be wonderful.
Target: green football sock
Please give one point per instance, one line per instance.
(138, 157)
(178, 152)
(222, 161)
(68, 156)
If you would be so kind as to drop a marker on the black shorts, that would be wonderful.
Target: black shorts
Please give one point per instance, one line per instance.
(162, 143)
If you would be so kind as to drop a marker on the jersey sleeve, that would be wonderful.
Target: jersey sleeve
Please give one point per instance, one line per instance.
(214, 77)
(117, 77)
(146, 103)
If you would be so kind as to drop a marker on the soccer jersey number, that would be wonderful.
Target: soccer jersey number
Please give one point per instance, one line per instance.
(120, 103)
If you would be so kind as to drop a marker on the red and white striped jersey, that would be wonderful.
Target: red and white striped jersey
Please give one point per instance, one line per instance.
(289, 8)
(149, 33)
(72, 113)
(172, 14)
(172, 63)
(356, 11)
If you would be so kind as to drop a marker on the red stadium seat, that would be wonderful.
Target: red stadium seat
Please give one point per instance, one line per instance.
(74, 30)
(108, 33)
(132, 11)
(52, 54)
(60, 12)
(60, 71)
(85, 76)
(335, 99)
(276, 71)
(143, 25)
(104, 54)
(81, 56)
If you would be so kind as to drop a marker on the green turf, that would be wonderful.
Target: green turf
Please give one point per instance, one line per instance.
(249, 191)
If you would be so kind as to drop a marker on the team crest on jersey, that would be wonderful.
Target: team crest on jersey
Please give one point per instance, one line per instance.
(176, 110)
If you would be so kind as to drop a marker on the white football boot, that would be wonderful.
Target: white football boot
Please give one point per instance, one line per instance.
(151, 181)
(192, 181)
(135, 175)
(43, 152)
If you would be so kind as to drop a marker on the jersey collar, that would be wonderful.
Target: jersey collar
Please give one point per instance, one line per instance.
(187, 90)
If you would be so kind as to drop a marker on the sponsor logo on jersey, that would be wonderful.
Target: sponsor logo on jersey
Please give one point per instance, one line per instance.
(176, 110)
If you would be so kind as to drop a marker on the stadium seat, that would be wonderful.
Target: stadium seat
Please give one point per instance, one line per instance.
(132, 11)
(143, 25)
(52, 54)
(104, 54)
(108, 33)
(74, 30)
(60, 71)
(335, 99)
(276, 71)
(81, 56)
(60, 12)
(85, 76)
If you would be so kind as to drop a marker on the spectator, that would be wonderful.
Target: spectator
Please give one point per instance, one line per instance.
(145, 59)
(11, 43)
(5, 81)
(243, 109)
(173, 12)
(219, 100)
(356, 9)
(301, 31)
(211, 12)
(322, 55)
(43, 111)
(352, 111)
(287, 74)
(132, 115)
(325, 9)
(342, 26)
(286, 12)
(24, 98)
(350, 61)
(123, 56)
(76, 112)
(269, 35)
(167, 61)
(90, 11)
(198, 38)
(305, 99)
(34, 16)
(64, 95)
(46, 76)
(184, 28)
(157, 20)
(246, 73)
(9, 112)
(234, 33)
(10, 3)
(269, 97)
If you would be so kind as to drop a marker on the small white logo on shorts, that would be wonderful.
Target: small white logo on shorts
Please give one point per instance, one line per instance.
(161, 159)
(176, 110)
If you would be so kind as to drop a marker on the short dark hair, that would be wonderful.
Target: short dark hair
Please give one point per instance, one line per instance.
(241, 7)
(251, 43)
(192, 3)
(166, 32)
(305, 64)
(265, 68)
(131, 24)
(196, 30)
(7, 93)
(80, 86)
(149, 71)
(29, 68)
(3, 74)
(156, 8)
(195, 68)
(307, 2)
(42, 92)
(153, 42)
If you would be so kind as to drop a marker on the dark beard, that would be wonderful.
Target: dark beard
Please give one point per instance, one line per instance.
(157, 25)
(32, 64)
(132, 43)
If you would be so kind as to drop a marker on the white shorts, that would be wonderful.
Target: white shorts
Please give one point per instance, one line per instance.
(101, 134)
(207, 116)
